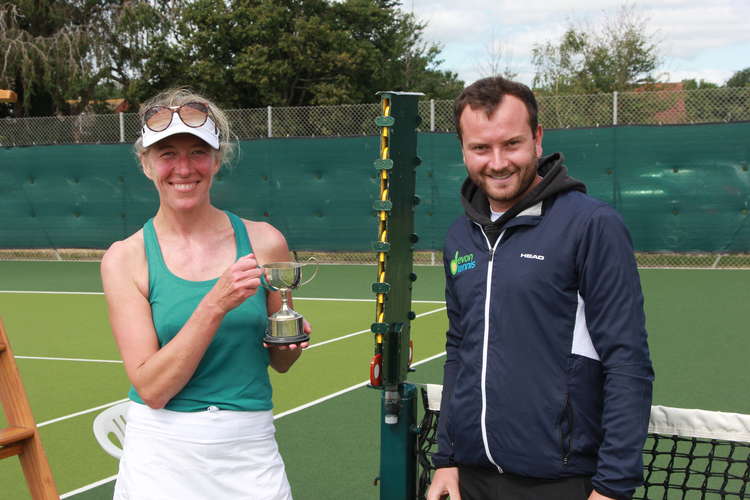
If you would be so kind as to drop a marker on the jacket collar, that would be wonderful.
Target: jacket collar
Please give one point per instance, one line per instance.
(555, 180)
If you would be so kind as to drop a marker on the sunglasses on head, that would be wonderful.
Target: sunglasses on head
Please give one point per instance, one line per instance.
(192, 114)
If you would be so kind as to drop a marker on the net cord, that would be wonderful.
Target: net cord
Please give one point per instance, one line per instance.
(670, 421)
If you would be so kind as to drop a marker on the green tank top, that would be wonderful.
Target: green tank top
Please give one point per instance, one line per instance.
(233, 374)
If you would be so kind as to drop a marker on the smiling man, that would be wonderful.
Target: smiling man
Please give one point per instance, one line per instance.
(547, 381)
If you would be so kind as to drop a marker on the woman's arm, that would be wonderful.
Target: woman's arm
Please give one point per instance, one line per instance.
(270, 246)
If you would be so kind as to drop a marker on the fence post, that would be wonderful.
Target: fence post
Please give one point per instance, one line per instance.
(270, 126)
(614, 108)
(122, 128)
(432, 115)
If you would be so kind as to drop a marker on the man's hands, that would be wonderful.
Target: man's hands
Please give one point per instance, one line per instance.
(444, 483)
(598, 496)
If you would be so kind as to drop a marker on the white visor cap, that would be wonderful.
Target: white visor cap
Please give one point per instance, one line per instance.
(208, 132)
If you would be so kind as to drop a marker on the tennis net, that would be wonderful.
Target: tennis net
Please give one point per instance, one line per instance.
(689, 454)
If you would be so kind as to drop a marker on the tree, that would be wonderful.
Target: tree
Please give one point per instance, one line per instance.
(296, 53)
(42, 47)
(132, 48)
(60, 52)
(693, 84)
(497, 61)
(618, 55)
(245, 53)
(740, 79)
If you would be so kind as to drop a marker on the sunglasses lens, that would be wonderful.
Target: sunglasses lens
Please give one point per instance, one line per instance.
(193, 114)
(158, 118)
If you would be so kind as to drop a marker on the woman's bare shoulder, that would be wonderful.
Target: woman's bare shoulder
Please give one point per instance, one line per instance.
(126, 258)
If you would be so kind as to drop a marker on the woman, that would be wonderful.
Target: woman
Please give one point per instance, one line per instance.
(200, 423)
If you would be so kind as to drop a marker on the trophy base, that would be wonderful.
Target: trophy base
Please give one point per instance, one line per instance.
(286, 329)
(297, 339)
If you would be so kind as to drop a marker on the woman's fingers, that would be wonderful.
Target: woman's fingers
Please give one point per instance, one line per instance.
(239, 282)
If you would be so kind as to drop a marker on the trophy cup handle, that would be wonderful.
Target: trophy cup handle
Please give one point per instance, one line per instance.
(317, 266)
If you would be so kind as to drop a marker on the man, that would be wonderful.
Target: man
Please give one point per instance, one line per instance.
(547, 383)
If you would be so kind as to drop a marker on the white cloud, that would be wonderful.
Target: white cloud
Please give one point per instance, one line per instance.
(697, 39)
(687, 31)
(718, 76)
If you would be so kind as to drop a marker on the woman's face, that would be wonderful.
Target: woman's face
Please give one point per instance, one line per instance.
(182, 167)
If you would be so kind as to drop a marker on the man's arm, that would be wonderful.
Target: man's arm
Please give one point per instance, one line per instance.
(611, 290)
(444, 455)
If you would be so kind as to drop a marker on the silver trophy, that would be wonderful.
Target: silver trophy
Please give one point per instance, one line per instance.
(285, 326)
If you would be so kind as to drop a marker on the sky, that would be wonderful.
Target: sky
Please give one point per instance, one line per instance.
(697, 39)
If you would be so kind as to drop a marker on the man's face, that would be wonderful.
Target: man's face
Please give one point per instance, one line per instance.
(500, 152)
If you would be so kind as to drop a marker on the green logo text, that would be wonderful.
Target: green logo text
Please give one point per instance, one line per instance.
(461, 263)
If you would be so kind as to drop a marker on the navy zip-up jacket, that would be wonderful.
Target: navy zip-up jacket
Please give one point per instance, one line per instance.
(548, 372)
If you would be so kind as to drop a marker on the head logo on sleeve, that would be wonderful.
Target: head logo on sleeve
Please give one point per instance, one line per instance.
(461, 263)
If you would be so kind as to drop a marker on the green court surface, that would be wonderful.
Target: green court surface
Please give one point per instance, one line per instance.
(329, 425)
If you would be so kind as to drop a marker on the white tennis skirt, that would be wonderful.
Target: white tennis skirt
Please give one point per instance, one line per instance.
(207, 455)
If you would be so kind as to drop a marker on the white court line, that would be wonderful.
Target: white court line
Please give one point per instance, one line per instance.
(333, 299)
(276, 417)
(364, 300)
(88, 487)
(78, 414)
(66, 417)
(348, 335)
(344, 391)
(85, 360)
(367, 331)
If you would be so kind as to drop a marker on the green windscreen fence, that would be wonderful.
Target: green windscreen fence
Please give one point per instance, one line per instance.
(679, 188)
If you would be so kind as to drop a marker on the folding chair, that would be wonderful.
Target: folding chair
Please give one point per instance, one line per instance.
(112, 422)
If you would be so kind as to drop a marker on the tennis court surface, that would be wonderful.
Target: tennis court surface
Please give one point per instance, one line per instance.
(327, 420)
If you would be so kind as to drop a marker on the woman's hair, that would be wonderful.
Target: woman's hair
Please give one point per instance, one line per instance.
(179, 96)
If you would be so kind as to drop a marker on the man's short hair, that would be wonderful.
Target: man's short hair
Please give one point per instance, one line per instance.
(488, 94)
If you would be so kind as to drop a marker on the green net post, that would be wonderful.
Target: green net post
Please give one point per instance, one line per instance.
(398, 447)
(394, 207)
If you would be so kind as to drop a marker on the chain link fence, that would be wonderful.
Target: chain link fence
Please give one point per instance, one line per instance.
(663, 107)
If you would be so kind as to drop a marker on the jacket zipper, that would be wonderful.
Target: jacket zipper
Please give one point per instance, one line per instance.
(483, 419)
(566, 435)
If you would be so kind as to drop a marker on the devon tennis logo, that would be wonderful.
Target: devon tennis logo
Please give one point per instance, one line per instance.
(461, 263)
